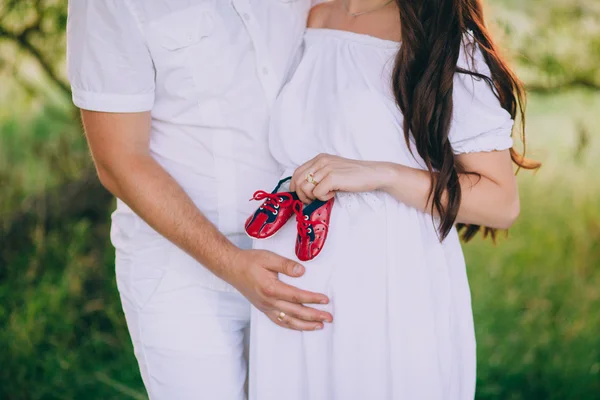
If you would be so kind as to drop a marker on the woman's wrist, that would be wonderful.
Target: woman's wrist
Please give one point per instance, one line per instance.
(408, 185)
(386, 175)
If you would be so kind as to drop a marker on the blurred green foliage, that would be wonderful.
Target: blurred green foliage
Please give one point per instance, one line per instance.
(536, 294)
(557, 42)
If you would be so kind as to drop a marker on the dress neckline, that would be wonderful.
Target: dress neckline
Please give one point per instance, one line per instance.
(355, 37)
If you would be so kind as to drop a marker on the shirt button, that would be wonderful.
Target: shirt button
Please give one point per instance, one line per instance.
(265, 71)
(247, 16)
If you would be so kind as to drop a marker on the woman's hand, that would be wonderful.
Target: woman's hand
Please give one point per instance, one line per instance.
(332, 173)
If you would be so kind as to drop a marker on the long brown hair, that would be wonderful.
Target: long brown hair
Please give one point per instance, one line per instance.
(432, 33)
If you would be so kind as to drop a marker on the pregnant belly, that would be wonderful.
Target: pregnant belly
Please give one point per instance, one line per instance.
(354, 253)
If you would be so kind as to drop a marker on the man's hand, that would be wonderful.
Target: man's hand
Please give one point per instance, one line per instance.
(255, 274)
(119, 144)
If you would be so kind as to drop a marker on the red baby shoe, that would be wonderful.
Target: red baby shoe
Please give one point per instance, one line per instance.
(313, 226)
(273, 213)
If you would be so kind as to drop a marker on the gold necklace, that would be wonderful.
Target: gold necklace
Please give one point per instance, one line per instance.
(358, 14)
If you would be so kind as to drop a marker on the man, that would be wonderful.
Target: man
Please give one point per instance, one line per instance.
(175, 98)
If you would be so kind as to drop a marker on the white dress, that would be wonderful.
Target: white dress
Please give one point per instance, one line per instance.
(403, 325)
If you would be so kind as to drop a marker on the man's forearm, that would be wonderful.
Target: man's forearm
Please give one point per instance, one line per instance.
(157, 198)
(120, 146)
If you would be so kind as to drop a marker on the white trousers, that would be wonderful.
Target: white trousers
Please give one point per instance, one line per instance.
(190, 340)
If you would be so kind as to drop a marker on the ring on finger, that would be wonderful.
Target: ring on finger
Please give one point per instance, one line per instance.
(281, 316)
(310, 178)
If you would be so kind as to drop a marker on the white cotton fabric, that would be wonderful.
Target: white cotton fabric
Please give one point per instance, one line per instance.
(403, 325)
(209, 71)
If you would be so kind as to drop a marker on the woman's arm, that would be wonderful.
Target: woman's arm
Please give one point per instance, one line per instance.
(489, 198)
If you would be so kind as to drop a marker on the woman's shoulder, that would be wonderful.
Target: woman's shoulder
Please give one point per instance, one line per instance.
(471, 56)
(320, 13)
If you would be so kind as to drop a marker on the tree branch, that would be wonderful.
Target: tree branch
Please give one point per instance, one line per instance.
(21, 39)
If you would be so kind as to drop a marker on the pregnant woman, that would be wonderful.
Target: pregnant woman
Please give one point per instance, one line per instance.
(402, 112)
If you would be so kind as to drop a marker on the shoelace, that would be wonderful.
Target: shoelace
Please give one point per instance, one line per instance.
(273, 200)
(304, 225)
(301, 219)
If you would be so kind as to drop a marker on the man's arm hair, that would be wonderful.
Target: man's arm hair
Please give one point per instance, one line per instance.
(120, 146)
(119, 143)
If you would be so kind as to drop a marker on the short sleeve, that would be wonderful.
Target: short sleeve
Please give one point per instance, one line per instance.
(109, 65)
(479, 123)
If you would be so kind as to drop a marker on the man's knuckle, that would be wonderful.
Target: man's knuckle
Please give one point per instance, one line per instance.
(294, 325)
(288, 265)
(312, 317)
(299, 316)
(269, 289)
(304, 316)
(265, 305)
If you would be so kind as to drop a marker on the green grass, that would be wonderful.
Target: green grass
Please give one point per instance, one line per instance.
(536, 294)
(537, 300)
(63, 333)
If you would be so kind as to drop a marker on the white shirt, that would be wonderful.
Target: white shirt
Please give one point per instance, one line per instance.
(209, 71)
